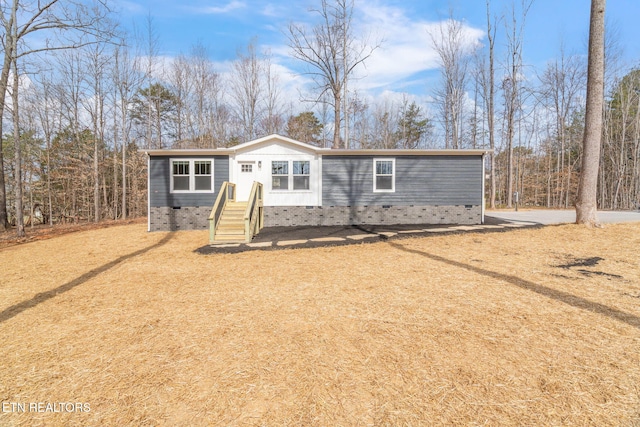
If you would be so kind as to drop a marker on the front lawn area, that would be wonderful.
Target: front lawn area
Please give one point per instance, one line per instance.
(524, 327)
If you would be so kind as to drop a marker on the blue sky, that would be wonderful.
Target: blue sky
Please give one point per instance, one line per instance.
(405, 62)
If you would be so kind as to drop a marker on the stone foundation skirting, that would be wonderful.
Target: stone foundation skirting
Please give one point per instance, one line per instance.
(185, 218)
(195, 218)
(292, 216)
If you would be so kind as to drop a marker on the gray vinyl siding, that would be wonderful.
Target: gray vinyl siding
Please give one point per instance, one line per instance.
(419, 180)
(159, 183)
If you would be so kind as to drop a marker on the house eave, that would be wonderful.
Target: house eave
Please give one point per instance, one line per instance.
(247, 146)
(401, 152)
(190, 152)
(322, 151)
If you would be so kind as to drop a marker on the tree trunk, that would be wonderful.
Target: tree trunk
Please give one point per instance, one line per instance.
(4, 84)
(336, 121)
(49, 197)
(510, 132)
(96, 181)
(586, 206)
(3, 193)
(114, 190)
(18, 155)
(549, 178)
(491, 108)
(125, 142)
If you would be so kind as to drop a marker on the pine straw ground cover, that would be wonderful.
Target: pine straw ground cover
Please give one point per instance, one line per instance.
(526, 327)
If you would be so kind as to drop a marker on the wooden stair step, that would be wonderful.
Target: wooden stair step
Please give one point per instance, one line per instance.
(228, 231)
(232, 215)
(233, 231)
(229, 223)
(229, 239)
(235, 205)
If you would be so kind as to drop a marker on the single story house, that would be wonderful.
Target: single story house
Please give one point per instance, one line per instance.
(304, 185)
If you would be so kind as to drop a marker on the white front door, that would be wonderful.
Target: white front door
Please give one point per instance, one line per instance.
(246, 174)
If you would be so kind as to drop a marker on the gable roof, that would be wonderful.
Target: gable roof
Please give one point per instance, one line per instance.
(247, 146)
(275, 137)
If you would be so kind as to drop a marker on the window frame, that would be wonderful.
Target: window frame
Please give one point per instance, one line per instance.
(392, 175)
(290, 176)
(285, 176)
(294, 175)
(172, 167)
(192, 175)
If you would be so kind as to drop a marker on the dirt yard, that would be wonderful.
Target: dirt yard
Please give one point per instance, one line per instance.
(118, 327)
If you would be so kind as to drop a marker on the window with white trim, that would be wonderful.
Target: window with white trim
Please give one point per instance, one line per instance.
(246, 168)
(179, 175)
(294, 175)
(191, 176)
(384, 178)
(280, 175)
(202, 175)
(301, 173)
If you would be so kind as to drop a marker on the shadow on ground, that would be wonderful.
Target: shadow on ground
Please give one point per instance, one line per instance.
(274, 238)
(554, 294)
(16, 309)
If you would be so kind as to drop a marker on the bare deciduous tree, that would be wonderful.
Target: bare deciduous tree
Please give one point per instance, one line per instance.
(489, 91)
(586, 205)
(561, 85)
(96, 61)
(332, 53)
(511, 84)
(273, 121)
(126, 79)
(21, 19)
(453, 48)
(151, 65)
(17, 150)
(206, 95)
(246, 89)
(45, 108)
(182, 84)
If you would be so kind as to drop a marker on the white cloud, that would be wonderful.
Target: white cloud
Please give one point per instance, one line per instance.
(407, 47)
(131, 7)
(406, 53)
(229, 7)
(272, 10)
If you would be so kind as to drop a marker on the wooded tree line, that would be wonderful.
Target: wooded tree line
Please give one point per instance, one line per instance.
(80, 111)
(532, 119)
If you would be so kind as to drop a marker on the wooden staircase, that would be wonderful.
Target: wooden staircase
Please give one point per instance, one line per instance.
(236, 222)
(231, 226)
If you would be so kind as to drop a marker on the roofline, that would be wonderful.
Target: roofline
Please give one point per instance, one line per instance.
(275, 136)
(322, 151)
(190, 152)
(402, 152)
(232, 150)
(312, 148)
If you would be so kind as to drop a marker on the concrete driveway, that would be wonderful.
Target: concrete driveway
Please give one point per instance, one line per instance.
(542, 216)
